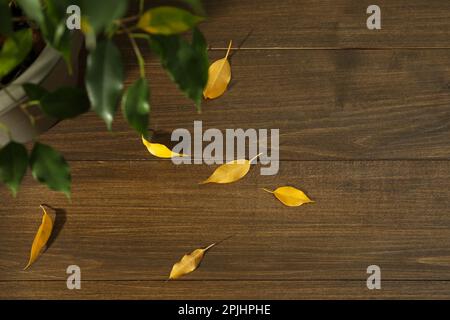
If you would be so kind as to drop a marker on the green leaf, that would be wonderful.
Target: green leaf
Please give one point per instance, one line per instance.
(62, 5)
(168, 21)
(50, 168)
(13, 165)
(136, 107)
(197, 6)
(15, 50)
(5, 18)
(101, 14)
(32, 9)
(34, 91)
(200, 47)
(187, 64)
(104, 80)
(65, 103)
(54, 28)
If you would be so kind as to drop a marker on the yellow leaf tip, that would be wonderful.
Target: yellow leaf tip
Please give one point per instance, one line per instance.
(229, 49)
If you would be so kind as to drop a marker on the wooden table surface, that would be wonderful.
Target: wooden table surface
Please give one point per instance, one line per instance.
(364, 119)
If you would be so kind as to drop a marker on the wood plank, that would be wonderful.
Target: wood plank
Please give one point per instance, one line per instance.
(324, 23)
(327, 23)
(388, 104)
(133, 220)
(234, 290)
(385, 102)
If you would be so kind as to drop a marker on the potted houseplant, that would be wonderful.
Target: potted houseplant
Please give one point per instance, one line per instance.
(40, 41)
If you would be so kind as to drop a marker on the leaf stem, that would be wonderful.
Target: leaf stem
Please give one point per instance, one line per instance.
(140, 36)
(255, 157)
(229, 48)
(47, 206)
(210, 246)
(29, 115)
(32, 103)
(128, 19)
(216, 243)
(136, 50)
(267, 190)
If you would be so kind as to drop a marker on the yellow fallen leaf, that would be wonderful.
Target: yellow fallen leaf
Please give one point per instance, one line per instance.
(41, 238)
(160, 150)
(188, 263)
(231, 171)
(290, 196)
(219, 76)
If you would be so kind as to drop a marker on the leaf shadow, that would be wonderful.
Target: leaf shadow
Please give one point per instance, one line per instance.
(163, 137)
(58, 224)
(240, 45)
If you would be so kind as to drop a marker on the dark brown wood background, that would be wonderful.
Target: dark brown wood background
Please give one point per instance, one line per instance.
(364, 119)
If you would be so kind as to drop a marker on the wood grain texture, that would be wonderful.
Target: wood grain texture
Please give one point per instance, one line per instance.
(388, 104)
(365, 131)
(327, 23)
(230, 290)
(133, 220)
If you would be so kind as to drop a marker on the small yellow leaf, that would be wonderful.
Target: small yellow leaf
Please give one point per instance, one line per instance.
(219, 76)
(160, 150)
(230, 172)
(290, 196)
(188, 263)
(86, 27)
(41, 238)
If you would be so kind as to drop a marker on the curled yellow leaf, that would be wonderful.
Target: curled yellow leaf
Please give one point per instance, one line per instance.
(188, 263)
(160, 150)
(41, 238)
(219, 76)
(290, 196)
(230, 172)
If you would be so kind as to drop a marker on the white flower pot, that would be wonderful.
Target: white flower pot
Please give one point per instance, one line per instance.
(50, 71)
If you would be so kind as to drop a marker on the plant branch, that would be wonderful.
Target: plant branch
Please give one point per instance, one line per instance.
(25, 107)
(128, 19)
(136, 50)
(144, 36)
